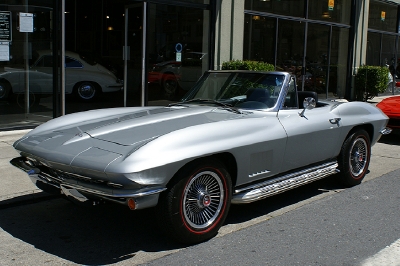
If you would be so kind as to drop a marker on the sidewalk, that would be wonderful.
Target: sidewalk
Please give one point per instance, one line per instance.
(15, 186)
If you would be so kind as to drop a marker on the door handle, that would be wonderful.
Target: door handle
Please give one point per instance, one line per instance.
(335, 120)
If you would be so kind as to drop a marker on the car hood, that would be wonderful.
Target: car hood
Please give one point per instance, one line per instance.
(135, 127)
(120, 133)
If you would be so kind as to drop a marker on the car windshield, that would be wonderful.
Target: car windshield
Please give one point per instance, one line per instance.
(249, 90)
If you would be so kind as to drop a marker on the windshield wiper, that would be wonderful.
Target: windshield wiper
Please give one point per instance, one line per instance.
(209, 101)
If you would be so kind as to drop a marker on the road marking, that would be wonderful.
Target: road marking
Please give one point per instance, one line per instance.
(387, 256)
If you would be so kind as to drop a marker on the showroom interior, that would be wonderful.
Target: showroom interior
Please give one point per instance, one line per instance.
(64, 56)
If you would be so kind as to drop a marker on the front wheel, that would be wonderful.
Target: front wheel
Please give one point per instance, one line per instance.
(354, 158)
(197, 202)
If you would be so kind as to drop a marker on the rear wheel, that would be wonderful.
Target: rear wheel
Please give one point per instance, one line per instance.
(354, 158)
(197, 202)
(86, 91)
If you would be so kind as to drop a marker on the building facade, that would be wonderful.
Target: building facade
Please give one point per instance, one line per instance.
(63, 56)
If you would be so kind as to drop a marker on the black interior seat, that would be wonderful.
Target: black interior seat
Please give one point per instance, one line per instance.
(258, 95)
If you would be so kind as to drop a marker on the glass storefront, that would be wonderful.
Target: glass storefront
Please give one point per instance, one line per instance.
(26, 83)
(382, 40)
(314, 48)
(117, 53)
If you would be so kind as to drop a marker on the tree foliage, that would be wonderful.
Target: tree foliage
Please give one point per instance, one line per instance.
(247, 65)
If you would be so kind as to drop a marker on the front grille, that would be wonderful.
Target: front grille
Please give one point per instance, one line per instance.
(57, 177)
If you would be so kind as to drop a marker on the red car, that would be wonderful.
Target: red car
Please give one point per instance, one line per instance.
(391, 107)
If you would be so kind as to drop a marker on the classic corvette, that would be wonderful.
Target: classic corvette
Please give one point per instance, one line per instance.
(236, 137)
(391, 107)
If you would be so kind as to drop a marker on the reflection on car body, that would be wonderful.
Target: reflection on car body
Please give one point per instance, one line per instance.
(83, 78)
(236, 137)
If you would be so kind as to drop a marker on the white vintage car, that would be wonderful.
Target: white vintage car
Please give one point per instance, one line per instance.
(237, 137)
(83, 78)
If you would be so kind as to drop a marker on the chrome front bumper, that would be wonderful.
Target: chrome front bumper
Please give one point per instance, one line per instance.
(144, 198)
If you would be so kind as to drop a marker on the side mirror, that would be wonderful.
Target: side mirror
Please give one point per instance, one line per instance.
(308, 104)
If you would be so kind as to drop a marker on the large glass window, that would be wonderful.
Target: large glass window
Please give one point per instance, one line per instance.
(338, 62)
(25, 91)
(290, 52)
(259, 38)
(177, 43)
(382, 16)
(321, 67)
(330, 10)
(317, 58)
(176, 50)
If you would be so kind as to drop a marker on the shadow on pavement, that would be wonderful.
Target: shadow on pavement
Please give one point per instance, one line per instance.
(391, 139)
(112, 233)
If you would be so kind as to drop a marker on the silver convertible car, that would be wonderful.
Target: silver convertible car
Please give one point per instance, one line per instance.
(236, 137)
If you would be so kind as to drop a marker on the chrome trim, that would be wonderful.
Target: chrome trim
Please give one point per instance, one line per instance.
(283, 183)
(385, 131)
(259, 173)
(36, 175)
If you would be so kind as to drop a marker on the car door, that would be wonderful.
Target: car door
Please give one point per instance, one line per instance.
(312, 138)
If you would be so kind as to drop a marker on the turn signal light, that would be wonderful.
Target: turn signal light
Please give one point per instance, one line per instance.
(131, 204)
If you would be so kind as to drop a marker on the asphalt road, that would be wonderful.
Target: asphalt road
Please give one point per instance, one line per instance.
(317, 224)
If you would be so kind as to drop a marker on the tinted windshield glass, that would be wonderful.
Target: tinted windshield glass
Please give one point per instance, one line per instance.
(236, 88)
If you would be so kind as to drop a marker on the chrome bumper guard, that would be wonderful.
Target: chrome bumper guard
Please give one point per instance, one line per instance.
(144, 198)
(386, 131)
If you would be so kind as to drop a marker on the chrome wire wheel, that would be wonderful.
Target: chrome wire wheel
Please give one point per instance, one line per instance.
(358, 157)
(197, 201)
(203, 199)
(354, 158)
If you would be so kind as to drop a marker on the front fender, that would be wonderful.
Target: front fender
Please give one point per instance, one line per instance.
(157, 161)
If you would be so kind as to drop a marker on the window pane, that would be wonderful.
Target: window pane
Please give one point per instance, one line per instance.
(26, 93)
(259, 39)
(317, 58)
(382, 16)
(338, 66)
(290, 47)
(328, 10)
(373, 49)
(293, 8)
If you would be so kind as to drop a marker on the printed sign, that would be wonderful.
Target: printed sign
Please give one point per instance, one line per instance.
(5, 26)
(25, 22)
(4, 51)
(331, 4)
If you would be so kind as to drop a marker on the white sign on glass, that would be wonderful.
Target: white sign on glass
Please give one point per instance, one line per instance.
(4, 51)
(25, 22)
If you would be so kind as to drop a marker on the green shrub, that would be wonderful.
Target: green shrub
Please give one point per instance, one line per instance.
(369, 81)
(247, 65)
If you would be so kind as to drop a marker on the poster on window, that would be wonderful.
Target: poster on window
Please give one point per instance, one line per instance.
(4, 51)
(5, 26)
(25, 22)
